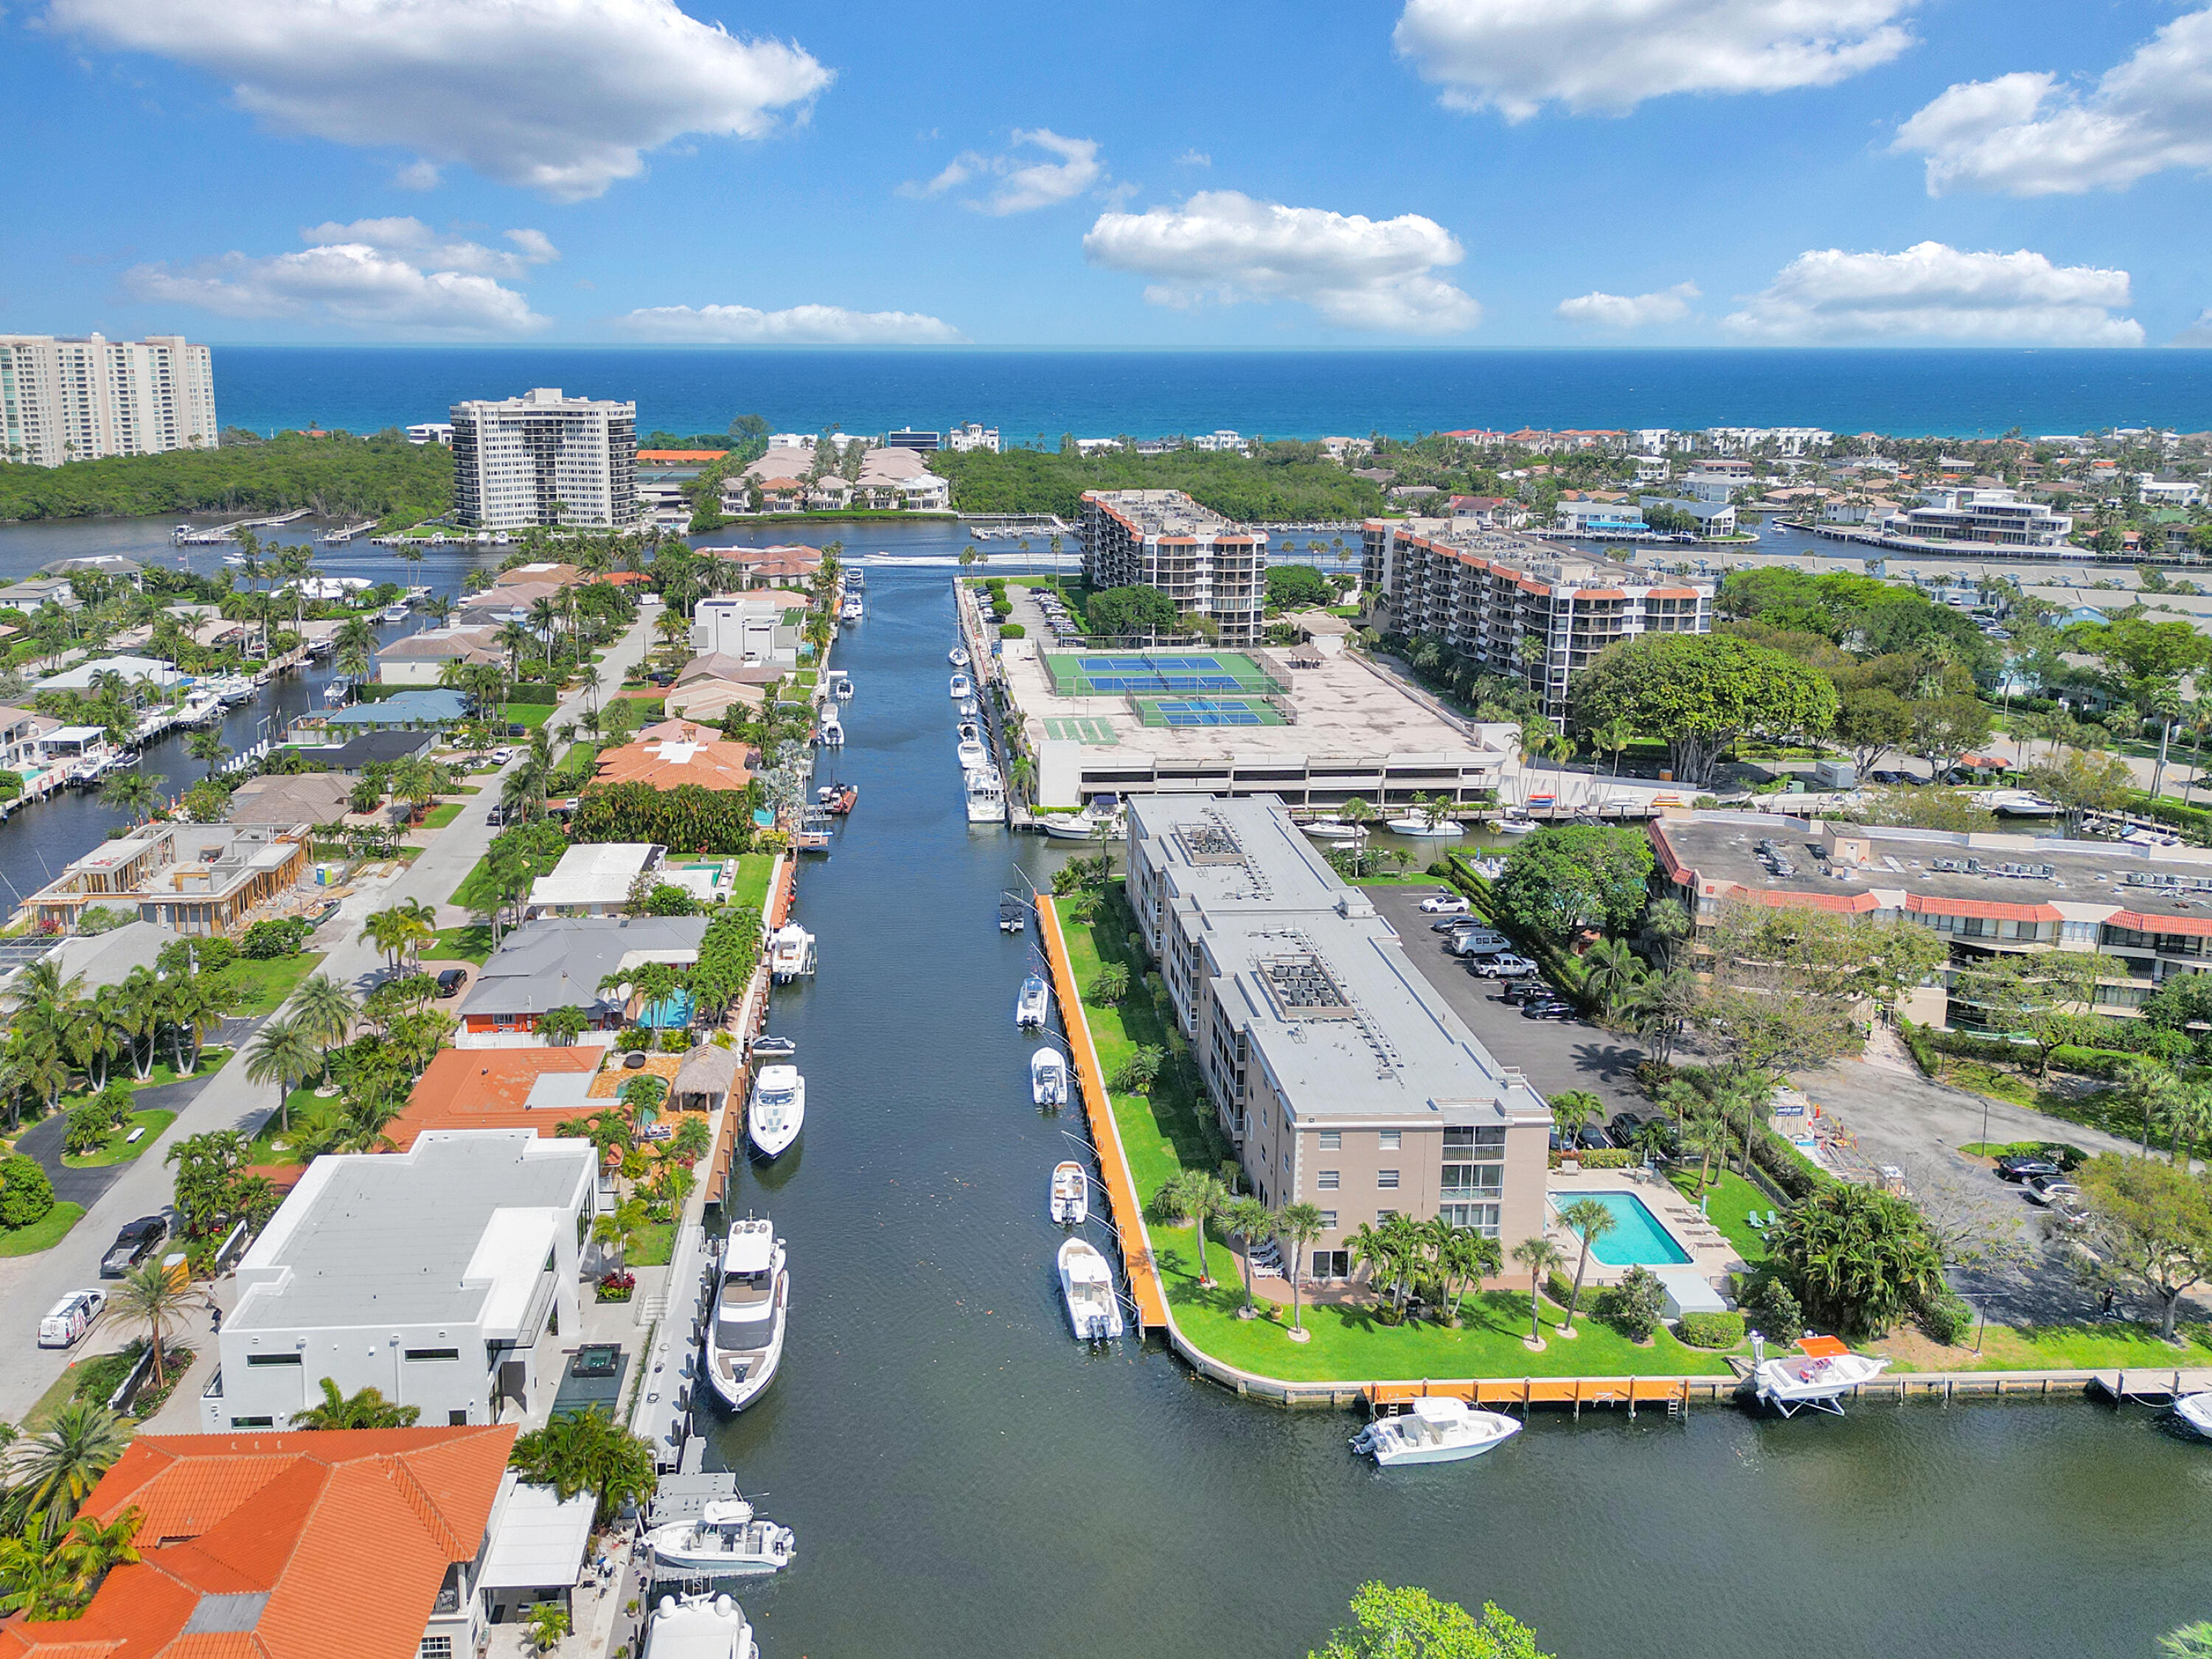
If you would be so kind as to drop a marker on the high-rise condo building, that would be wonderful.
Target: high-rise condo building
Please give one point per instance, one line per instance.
(543, 458)
(1209, 565)
(80, 399)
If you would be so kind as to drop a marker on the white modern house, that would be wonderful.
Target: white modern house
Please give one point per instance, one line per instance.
(594, 879)
(428, 1274)
(758, 631)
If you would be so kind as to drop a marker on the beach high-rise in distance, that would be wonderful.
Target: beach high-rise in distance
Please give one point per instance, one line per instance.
(81, 398)
(543, 458)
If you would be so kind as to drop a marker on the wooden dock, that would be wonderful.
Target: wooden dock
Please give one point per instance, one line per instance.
(1129, 1209)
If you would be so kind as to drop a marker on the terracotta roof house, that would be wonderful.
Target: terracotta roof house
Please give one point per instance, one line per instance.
(533, 1089)
(677, 752)
(364, 1542)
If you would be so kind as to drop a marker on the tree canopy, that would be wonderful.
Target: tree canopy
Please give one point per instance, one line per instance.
(1562, 879)
(1698, 692)
(1124, 613)
(1409, 1623)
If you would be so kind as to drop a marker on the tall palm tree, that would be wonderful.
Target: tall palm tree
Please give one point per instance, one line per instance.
(283, 1052)
(1301, 1224)
(1574, 1110)
(1591, 1221)
(1706, 1136)
(131, 793)
(149, 1296)
(1541, 1258)
(1383, 1254)
(587, 1451)
(2189, 1118)
(209, 748)
(1465, 1258)
(325, 1009)
(367, 1409)
(89, 1548)
(53, 1468)
(1249, 1218)
(1610, 971)
(1196, 1196)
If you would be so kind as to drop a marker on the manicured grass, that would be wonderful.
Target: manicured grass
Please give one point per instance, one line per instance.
(471, 943)
(438, 817)
(117, 1151)
(531, 714)
(48, 1231)
(1408, 878)
(210, 1060)
(655, 1245)
(1729, 1203)
(2114, 1345)
(264, 985)
(751, 891)
(271, 1145)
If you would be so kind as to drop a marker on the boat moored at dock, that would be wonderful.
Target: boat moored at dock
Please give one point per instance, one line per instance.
(1048, 1077)
(699, 1627)
(1823, 1371)
(790, 953)
(777, 1111)
(2194, 1411)
(1071, 1194)
(1086, 1285)
(1033, 1005)
(1438, 1429)
(961, 688)
(744, 1337)
(727, 1540)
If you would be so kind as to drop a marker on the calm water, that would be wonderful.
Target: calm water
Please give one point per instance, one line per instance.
(966, 1479)
(1948, 392)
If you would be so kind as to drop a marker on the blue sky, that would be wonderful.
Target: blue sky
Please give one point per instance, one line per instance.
(1456, 173)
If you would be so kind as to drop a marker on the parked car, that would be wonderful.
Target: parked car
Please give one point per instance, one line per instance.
(1627, 1128)
(517, 729)
(1476, 943)
(2026, 1166)
(1529, 990)
(1445, 904)
(137, 1240)
(500, 755)
(1592, 1138)
(1885, 775)
(2044, 1188)
(69, 1319)
(451, 981)
(1507, 966)
(1553, 1009)
(1454, 925)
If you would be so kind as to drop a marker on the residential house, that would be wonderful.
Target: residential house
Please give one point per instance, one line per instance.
(429, 707)
(422, 659)
(536, 1089)
(595, 878)
(760, 630)
(204, 878)
(1591, 517)
(139, 671)
(676, 752)
(291, 797)
(560, 962)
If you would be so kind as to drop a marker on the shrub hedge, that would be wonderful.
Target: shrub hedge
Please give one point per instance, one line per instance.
(1710, 1330)
(1603, 1158)
(533, 692)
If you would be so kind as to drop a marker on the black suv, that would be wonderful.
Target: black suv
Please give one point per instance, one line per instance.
(449, 982)
(133, 1245)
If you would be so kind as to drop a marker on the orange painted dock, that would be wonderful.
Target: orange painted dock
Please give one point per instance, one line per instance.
(1121, 1190)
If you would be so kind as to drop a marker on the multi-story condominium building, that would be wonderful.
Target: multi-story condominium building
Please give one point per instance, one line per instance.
(1522, 610)
(1342, 1077)
(1994, 517)
(428, 1275)
(2147, 910)
(1207, 564)
(80, 399)
(543, 458)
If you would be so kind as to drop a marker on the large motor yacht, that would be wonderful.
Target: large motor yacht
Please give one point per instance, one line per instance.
(777, 1111)
(744, 1337)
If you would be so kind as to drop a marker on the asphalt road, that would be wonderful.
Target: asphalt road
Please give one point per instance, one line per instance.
(30, 1285)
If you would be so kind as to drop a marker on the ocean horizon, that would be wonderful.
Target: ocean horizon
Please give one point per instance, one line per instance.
(1041, 393)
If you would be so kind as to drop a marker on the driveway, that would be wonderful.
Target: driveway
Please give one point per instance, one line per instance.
(1555, 1055)
(42, 1139)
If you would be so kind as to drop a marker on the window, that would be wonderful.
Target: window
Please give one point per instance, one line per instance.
(1386, 1177)
(1286, 1160)
(1389, 1138)
(1328, 1220)
(1472, 1217)
(435, 1647)
(272, 1359)
(1331, 1140)
(458, 1419)
(1327, 1181)
(1381, 1216)
(252, 1422)
(1332, 1264)
(433, 1353)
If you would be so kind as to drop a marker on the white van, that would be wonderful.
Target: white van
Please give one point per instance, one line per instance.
(69, 1319)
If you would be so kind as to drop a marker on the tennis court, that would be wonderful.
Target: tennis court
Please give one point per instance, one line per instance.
(1183, 712)
(1123, 673)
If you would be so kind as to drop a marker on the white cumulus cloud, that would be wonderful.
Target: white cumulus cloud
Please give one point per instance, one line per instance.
(1933, 292)
(1355, 271)
(2025, 134)
(1021, 183)
(1628, 310)
(392, 276)
(1605, 56)
(2199, 333)
(797, 326)
(560, 96)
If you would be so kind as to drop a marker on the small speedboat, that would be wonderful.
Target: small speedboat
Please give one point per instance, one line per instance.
(1436, 1431)
(1517, 821)
(1034, 1005)
(1086, 1285)
(777, 1111)
(2195, 1410)
(726, 1540)
(1334, 830)
(790, 953)
(1048, 1077)
(966, 708)
(832, 732)
(1071, 1194)
(957, 656)
(1080, 827)
(770, 1048)
(969, 733)
(1823, 1371)
(963, 687)
(842, 690)
(744, 1337)
(697, 1627)
(1442, 829)
(974, 758)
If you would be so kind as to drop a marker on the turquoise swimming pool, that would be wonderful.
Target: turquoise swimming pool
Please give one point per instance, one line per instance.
(1638, 1238)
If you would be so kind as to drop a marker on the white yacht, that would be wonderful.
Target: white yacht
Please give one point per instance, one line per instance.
(1086, 1284)
(1071, 1194)
(853, 609)
(395, 613)
(1517, 821)
(744, 1338)
(233, 689)
(790, 953)
(727, 1540)
(697, 1627)
(1048, 1077)
(974, 758)
(841, 684)
(1034, 1005)
(1823, 1371)
(957, 656)
(202, 708)
(777, 1111)
(1078, 826)
(970, 732)
(1334, 830)
(832, 733)
(1436, 1431)
(987, 797)
(1444, 829)
(2195, 1410)
(965, 709)
(963, 687)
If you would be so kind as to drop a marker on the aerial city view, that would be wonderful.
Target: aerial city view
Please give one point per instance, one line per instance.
(1227, 832)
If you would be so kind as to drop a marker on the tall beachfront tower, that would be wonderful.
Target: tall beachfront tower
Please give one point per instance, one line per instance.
(79, 400)
(543, 458)
(1209, 565)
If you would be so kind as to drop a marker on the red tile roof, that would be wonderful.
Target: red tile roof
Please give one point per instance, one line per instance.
(1987, 909)
(2198, 927)
(486, 1088)
(665, 455)
(348, 1534)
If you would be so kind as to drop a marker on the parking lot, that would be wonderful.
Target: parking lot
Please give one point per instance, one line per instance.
(1557, 1055)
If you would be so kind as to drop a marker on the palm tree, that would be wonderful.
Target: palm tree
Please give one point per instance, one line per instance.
(1383, 1254)
(1464, 1258)
(587, 1451)
(89, 1549)
(209, 748)
(2151, 1086)
(1541, 1258)
(1666, 924)
(367, 1409)
(616, 1231)
(1301, 1224)
(54, 1468)
(1610, 971)
(1707, 1136)
(1574, 1110)
(325, 1009)
(131, 793)
(1249, 1218)
(150, 1296)
(1196, 1196)
(283, 1052)
(2189, 1119)
(1591, 1221)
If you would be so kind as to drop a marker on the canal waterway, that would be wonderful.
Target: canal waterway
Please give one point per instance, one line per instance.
(965, 1478)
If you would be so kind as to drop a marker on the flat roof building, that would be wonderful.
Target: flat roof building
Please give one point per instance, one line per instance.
(1208, 565)
(199, 878)
(543, 458)
(80, 399)
(594, 879)
(1340, 1074)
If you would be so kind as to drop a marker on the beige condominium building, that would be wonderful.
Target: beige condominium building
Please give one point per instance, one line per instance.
(80, 399)
(543, 458)
(1526, 610)
(1209, 565)
(2147, 910)
(1342, 1077)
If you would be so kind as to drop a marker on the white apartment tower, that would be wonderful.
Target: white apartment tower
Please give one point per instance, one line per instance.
(80, 399)
(1162, 538)
(543, 458)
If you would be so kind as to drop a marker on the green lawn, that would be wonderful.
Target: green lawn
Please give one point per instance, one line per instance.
(471, 943)
(655, 1245)
(43, 1234)
(1729, 1202)
(117, 1151)
(2057, 1347)
(271, 1145)
(751, 891)
(531, 714)
(438, 817)
(264, 985)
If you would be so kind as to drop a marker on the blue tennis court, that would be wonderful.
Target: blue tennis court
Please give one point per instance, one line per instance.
(1205, 711)
(1124, 673)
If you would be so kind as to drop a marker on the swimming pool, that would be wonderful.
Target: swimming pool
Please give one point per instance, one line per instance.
(1638, 1238)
